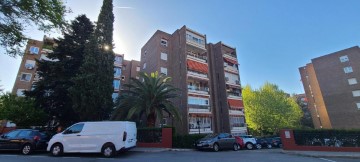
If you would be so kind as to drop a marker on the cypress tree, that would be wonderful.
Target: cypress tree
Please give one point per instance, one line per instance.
(93, 86)
(51, 93)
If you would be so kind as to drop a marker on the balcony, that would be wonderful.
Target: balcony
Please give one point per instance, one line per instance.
(231, 69)
(198, 90)
(202, 130)
(230, 56)
(236, 112)
(234, 95)
(199, 109)
(195, 74)
(196, 57)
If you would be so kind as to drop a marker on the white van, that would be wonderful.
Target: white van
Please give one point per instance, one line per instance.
(106, 137)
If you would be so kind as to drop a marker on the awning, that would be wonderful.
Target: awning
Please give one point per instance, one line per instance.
(230, 60)
(235, 103)
(196, 66)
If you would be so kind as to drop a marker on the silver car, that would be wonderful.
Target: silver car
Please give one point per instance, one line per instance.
(217, 142)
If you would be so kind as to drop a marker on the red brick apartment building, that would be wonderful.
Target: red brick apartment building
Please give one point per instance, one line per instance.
(207, 76)
(331, 87)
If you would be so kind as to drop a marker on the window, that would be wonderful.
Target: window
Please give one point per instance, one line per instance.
(20, 92)
(358, 105)
(34, 50)
(348, 69)
(164, 42)
(74, 129)
(198, 101)
(25, 77)
(356, 93)
(117, 72)
(163, 56)
(30, 64)
(118, 60)
(138, 68)
(116, 84)
(25, 133)
(352, 81)
(344, 58)
(12, 134)
(115, 96)
(163, 70)
(144, 66)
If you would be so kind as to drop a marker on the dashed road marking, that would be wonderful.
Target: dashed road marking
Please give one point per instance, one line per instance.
(327, 160)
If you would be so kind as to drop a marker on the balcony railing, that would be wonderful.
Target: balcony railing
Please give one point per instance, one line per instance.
(234, 94)
(204, 90)
(236, 112)
(197, 74)
(230, 68)
(197, 57)
(199, 108)
(230, 55)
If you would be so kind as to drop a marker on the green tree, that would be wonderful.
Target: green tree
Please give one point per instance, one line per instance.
(21, 111)
(92, 92)
(51, 92)
(150, 98)
(16, 15)
(269, 109)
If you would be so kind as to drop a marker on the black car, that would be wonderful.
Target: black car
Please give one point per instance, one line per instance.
(276, 142)
(24, 140)
(217, 142)
(263, 143)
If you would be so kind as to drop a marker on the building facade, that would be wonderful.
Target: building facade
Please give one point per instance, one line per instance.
(27, 74)
(332, 90)
(207, 86)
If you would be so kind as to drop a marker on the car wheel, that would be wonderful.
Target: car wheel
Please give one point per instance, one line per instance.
(269, 146)
(249, 146)
(235, 147)
(56, 149)
(26, 149)
(108, 150)
(258, 146)
(216, 147)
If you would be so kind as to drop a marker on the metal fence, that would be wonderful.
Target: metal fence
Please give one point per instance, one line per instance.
(149, 135)
(332, 138)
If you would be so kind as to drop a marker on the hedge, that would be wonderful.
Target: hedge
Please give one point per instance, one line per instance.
(186, 141)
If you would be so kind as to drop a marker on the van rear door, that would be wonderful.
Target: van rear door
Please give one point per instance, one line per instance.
(131, 132)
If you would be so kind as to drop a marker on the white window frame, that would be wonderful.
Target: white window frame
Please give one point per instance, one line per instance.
(352, 81)
(356, 93)
(164, 42)
(344, 58)
(25, 80)
(163, 70)
(144, 66)
(30, 64)
(348, 69)
(163, 56)
(358, 105)
(20, 92)
(138, 68)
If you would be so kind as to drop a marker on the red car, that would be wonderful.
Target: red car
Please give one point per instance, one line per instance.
(240, 141)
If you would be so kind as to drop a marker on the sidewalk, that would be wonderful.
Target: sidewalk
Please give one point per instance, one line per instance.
(324, 154)
(153, 149)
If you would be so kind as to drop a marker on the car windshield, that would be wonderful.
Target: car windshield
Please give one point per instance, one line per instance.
(211, 135)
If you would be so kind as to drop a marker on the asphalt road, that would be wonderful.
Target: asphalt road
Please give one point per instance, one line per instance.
(264, 155)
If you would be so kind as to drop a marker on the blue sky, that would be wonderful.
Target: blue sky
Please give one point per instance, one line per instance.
(273, 38)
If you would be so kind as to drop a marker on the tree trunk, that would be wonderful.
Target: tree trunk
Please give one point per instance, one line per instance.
(151, 119)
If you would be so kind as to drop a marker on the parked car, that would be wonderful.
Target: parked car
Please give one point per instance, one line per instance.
(277, 142)
(24, 140)
(94, 137)
(263, 143)
(240, 142)
(217, 142)
(250, 142)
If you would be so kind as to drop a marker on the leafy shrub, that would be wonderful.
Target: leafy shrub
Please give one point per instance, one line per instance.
(186, 141)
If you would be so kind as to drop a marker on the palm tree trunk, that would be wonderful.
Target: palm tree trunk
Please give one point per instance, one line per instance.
(151, 118)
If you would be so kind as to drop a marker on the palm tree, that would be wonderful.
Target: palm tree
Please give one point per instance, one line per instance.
(149, 97)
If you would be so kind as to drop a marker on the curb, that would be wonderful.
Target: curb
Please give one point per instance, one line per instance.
(320, 155)
(159, 149)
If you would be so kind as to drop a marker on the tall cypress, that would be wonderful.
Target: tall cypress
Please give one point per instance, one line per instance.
(92, 93)
(51, 92)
